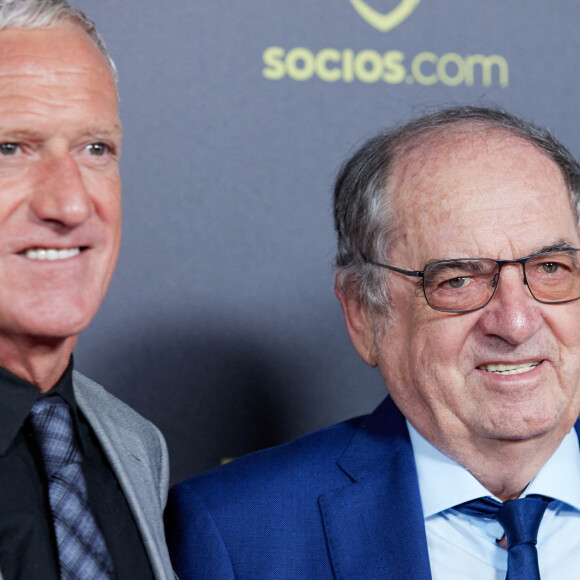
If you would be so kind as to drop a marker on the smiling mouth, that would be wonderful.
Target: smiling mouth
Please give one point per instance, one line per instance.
(51, 254)
(505, 369)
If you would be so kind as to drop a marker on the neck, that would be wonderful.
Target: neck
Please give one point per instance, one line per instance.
(38, 361)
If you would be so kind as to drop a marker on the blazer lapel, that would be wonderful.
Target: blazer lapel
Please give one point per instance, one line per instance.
(129, 460)
(375, 526)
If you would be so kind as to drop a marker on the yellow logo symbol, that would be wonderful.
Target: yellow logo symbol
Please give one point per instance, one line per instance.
(385, 22)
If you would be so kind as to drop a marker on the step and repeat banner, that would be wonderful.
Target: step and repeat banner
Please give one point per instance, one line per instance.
(221, 325)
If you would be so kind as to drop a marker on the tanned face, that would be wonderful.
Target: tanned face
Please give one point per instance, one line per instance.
(60, 191)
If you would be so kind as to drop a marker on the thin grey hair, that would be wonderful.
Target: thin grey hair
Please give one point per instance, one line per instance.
(363, 218)
(34, 14)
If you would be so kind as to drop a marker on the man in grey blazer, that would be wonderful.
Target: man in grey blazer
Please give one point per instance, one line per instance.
(60, 229)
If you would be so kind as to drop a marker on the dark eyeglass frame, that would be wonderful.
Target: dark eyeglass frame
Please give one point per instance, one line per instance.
(500, 264)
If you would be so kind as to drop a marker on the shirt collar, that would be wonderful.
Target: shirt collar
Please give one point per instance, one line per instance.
(559, 477)
(17, 397)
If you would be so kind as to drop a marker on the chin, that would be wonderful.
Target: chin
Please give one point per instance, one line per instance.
(523, 429)
(56, 323)
(71, 326)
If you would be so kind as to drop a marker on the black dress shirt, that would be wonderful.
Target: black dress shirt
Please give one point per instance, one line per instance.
(27, 541)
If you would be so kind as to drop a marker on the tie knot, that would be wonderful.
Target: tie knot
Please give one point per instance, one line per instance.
(53, 430)
(521, 519)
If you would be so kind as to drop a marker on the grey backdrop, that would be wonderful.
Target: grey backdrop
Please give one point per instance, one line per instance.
(221, 325)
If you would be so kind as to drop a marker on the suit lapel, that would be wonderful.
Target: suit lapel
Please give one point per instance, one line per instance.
(130, 463)
(375, 526)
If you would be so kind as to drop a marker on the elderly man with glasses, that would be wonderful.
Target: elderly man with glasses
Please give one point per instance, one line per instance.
(458, 272)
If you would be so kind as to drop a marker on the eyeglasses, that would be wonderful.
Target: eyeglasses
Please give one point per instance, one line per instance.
(468, 284)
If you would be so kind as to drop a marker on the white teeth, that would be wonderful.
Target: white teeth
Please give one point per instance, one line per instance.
(504, 369)
(51, 254)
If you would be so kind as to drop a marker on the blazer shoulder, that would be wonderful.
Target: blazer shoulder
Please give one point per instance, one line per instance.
(208, 516)
(91, 394)
(104, 409)
(311, 458)
(277, 513)
(335, 455)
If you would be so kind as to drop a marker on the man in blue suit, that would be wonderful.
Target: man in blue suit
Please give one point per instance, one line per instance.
(458, 272)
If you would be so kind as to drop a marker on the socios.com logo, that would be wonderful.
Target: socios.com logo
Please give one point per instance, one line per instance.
(385, 22)
(385, 64)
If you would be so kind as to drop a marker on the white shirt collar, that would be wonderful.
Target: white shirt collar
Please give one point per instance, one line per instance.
(559, 477)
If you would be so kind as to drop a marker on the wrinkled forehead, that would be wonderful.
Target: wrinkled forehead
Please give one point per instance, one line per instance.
(439, 154)
(462, 189)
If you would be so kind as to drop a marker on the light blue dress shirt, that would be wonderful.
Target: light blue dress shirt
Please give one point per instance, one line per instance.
(464, 547)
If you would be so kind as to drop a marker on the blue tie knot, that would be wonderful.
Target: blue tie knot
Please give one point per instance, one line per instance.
(521, 519)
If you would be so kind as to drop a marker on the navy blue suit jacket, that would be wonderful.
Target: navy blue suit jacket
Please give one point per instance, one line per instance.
(339, 503)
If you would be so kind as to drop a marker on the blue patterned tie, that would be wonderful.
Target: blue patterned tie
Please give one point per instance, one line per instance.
(520, 519)
(82, 550)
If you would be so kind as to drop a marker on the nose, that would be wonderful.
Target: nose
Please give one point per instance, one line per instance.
(512, 314)
(60, 195)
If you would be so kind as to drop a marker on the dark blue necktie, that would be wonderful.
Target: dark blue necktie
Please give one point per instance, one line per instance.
(82, 551)
(520, 519)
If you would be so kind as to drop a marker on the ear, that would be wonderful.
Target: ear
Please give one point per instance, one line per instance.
(359, 325)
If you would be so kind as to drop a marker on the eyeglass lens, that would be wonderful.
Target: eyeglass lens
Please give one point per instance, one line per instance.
(462, 285)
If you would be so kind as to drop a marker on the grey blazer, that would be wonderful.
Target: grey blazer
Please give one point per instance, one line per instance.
(137, 453)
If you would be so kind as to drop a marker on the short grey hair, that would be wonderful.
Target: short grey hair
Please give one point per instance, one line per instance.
(31, 14)
(363, 218)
